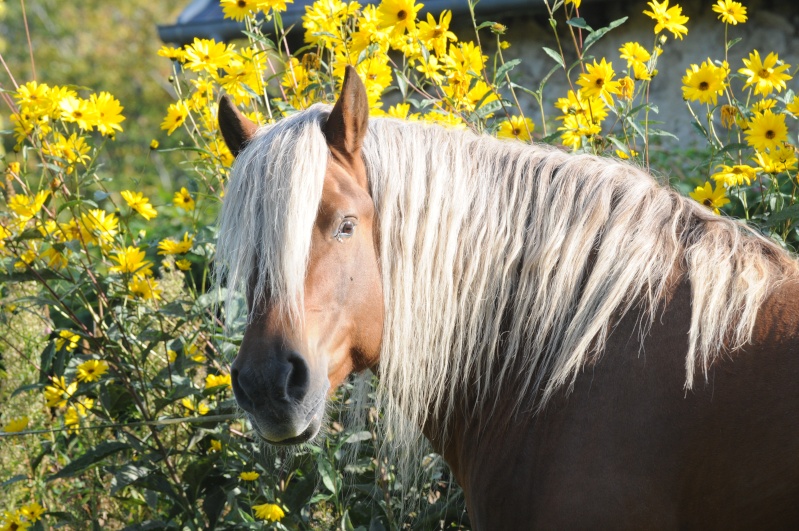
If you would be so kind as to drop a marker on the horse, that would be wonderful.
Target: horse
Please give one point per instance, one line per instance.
(585, 347)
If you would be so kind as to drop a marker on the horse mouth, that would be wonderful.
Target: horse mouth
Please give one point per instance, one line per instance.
(309, 433)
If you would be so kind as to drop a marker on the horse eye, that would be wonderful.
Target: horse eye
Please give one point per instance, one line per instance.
(345, 230)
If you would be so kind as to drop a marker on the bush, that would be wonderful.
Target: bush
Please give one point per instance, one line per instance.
(116, 395)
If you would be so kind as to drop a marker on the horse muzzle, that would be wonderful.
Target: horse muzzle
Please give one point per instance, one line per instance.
(277, 389)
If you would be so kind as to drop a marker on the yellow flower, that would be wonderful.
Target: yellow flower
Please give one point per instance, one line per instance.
(734, 175)
(436, 35)
(764, 104)
(207, 55)
(780, 159)
(625, 156)
(575, 3)
(74, 150)
(182, 199)
(729, 114)
(79, 111)
(276, 5)
(213, 380)
(268, 511)
(516, 127)
(399, 15)
(431, 69)
(154, 144)
(765, 75)
(59, 392)
(130, 260)
(67, 339)
(25, 206)
(249, 476)
(575, 128)
(176, 54)
(730, 12)
(238, 9)
(183, 264)
(216, 446)
(170, 246)
(139, 203)
(107, 112)
(627, 88)
(592, 110)
(14, 521)
(76, 412)
(175, 116)
(145, 288)
(670, 19)
(713, 199)
(703, 83)
(16, 425)
(33, 511)
(598, 80)
(766, 130)
(91, 370)
(171, 355)
(201, 407)
(98, 227)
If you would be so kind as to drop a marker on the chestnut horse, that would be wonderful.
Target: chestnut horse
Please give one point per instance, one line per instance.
(586, 348)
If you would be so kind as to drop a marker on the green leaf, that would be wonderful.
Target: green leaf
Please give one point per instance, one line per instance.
(579, 22)
(89, 459)
(14, 479)
(594, 36)
(329, 475)
(789, 212)
(554, 55)
(733, 42)
(507, 67)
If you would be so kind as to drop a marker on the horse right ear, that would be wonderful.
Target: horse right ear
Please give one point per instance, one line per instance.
(347, 124)
(236, 128)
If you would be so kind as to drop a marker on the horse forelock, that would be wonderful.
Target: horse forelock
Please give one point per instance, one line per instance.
(507, 262)
(269, 210)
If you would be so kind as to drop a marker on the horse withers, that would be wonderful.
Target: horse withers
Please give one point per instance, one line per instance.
(586, 348)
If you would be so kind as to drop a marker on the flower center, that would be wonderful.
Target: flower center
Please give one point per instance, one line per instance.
(704, 85)
(770, 134)
(600, 82)
(764, 73)
(402, 15)
(516, 131)
(242, 3)
(708, 202)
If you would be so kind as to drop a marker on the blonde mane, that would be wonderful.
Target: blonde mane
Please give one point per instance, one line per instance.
(492, 250)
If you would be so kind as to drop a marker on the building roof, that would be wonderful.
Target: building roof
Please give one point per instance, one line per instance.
(204, 19)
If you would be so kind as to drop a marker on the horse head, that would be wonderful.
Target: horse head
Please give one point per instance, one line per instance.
(283, 372)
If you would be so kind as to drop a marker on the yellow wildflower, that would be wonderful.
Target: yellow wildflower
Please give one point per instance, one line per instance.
(778, 160)
(91, 370)
(668, 18)
(735, 175)
(154, 144)
(79, 111)
(139, 203)
(27, 206)
(216, 446)
(713, 199)
(59, 392)
(627, 88)
(730, 12)
(213, 380)
(170, 246)
(249, 476)
(238, 10)
(516, 127)
(33, 512)
(182, 199)
(575, 3)
(145, 288)
(766, 130)
(108, 113)
(436, 35)
(16, 425)
(175, 116)
(97, 226)
(703, 83)
(67, 340)
(183, 264)
(201, 407)
(598, 80)
(765, 75)
(729, 114)
(130, 260)
(399, 15)
(207, 55)
(268, 511)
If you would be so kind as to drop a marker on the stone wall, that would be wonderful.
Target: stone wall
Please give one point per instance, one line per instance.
(772, 26)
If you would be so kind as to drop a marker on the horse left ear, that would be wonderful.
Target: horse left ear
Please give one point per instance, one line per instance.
(236, 128)
(347, 124)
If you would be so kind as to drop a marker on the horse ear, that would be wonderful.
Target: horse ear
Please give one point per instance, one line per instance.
(236, 128)
(346, 126)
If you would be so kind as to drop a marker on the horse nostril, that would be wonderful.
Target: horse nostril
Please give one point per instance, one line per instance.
(242, 397)
(298, 379)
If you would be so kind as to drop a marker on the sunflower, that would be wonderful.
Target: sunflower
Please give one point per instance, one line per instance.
(516, 127)
(734, 175)
(703, 83)
(765, 75)
(766, 130)
(668, 18)
(713, 199)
